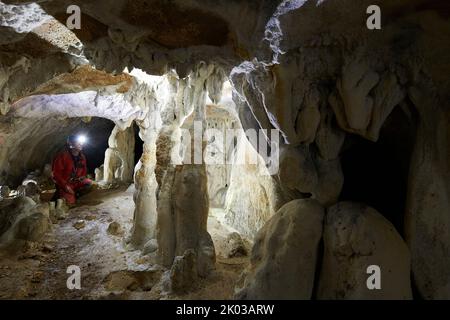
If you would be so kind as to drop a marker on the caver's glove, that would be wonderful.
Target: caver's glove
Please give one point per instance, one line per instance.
(80, 179)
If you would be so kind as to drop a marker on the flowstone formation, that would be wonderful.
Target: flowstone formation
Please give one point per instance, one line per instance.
(338, 95)
(356, 237)
(119, 157)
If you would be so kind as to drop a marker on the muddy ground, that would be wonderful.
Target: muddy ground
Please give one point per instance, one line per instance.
(109, 268)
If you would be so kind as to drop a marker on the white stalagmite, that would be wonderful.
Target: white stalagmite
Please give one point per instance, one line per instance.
(144, 224)
(183, 202)
(119, 157)
(145, 212)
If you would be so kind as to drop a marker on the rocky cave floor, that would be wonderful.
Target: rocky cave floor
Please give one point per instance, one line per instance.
(109, 269)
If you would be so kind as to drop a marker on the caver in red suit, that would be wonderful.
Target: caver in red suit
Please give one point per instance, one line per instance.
(69, 171)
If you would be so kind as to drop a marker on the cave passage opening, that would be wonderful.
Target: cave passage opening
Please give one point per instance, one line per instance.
(376, 173)
(240, 195)
(97, 134)
(31, 150)
(138, 144)
(241, 190)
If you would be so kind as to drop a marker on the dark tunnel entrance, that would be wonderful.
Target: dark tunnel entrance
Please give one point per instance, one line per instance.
(35, 148)
(97, 133)
(138, 144)
(376, 173)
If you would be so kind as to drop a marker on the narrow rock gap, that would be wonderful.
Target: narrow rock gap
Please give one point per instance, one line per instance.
(320, 254)
(138, 146)
(376, 173)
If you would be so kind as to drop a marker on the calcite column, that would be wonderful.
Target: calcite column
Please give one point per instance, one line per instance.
(191, 205)
(184, 204)
(144, 224)
(166, 235)
(119, 157)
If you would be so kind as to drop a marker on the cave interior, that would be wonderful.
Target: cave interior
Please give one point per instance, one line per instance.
(236, 149)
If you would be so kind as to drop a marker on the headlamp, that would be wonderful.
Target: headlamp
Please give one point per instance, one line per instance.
(81, 139)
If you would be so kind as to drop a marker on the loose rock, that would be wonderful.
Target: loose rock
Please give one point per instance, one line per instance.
(33, 227)
(235, 246)
(183, 274)
(115, 229)
(80, 224)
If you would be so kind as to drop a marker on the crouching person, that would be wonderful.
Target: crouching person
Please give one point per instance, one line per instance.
(69, 171)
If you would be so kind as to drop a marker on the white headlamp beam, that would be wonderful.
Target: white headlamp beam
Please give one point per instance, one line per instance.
(81, 139)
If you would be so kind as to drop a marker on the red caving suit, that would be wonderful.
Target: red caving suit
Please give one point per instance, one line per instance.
(69, 170)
